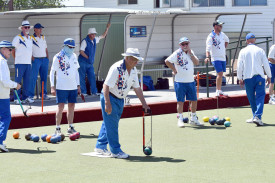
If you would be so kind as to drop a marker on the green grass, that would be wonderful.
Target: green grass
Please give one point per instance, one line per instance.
(241, 153)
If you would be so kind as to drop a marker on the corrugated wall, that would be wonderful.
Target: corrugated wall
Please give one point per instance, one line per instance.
(195, 27)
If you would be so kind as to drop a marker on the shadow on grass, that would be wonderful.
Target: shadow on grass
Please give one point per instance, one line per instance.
(91, 136)
(154, 159)
(207, 127)
(266, 125)
(39, 150)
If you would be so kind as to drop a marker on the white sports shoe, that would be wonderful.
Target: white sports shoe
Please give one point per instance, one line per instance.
(220, 93)
(194, 120)
(29, 100)
(180, 123)
(17, 102)
(249, 120)
(120, 155)
(103, 152)
(258, 122)
(3, 148)
(272, 101)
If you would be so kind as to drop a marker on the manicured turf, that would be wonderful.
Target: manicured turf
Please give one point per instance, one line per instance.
(240, 154)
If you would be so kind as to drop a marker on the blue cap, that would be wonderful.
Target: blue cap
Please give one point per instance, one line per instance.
(6, 44)
(250, 36)
(38, 26)
(69, 42)
(183, 39)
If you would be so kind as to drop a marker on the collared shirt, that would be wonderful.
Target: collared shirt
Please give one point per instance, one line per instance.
(251, 62)
(84, 44)
(5, 83)
(23, 49)
(184, 66)
(271, 53)
(39, 46)
(120, 81)
(67, 76)
(215, 44)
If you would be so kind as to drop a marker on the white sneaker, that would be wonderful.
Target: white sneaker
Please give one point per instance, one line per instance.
(120, 155)
(180, 123)
(271, 101)
(29, 100)
(103, 152)
(46, 97)
(17, 102)
(258, 122)
(3, 148)
(249, 120)
(220, 93)
(194, 121)
(84, 94)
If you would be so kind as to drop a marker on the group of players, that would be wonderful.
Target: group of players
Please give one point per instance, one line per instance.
(123, 75)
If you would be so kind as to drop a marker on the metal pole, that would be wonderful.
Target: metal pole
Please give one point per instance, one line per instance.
(237, 48)
(267, 46)
(146, 51)
(102, 51)
(207, 80)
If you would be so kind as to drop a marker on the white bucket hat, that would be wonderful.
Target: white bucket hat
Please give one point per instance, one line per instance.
(25, 23)
(92, 31)
(133, 52)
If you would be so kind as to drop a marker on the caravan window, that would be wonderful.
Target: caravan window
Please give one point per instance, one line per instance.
(207, 3)
(169, 3)
(127, 1)
(249, 2)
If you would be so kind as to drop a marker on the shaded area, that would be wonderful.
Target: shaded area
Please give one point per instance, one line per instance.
(39, 150)
(154, 159)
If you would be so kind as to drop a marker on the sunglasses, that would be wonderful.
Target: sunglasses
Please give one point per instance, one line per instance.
(27, 27)
(183, 44)
(70, 47)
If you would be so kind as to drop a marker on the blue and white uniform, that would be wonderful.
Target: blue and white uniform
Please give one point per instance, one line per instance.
(40, 63)
(215, 44)
(184, 79)
(87, 65)
(5, 85)
(23, 56)
(67, 77)
(120, 83)
(271, 54)
(251, 62)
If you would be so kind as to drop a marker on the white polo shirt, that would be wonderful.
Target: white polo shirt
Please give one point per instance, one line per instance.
(39, 46)
(119, 80)
(251, 61)
(271, 53)
(184, 66)
(67, 76)
(215, 44)
(23, 49)
(5, 83)
(83, 44)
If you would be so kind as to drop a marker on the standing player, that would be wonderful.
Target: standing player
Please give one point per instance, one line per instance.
(87, 57)
(5, 85)
(250, 73)
(121, 77)
(271, 58)
(22, 56)
(65, 65)
(40, 59)
(182, 63)
(216, 44)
